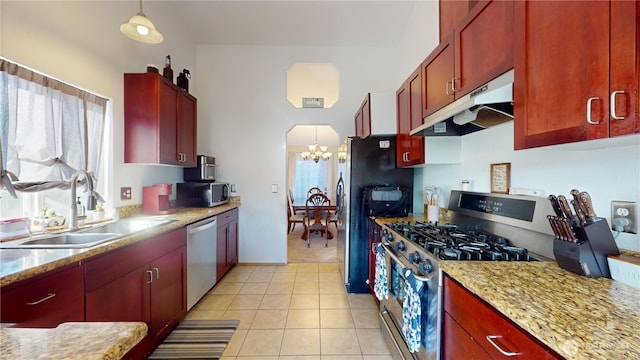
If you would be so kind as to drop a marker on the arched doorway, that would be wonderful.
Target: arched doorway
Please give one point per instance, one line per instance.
(304, 172)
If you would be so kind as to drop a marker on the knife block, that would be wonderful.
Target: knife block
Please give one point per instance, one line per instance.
(588, 257)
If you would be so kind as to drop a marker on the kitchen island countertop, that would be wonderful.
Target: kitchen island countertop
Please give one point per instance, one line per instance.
(576, 316)
(72, 340)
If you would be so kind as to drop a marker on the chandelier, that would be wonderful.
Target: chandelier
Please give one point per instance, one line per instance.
(316, 152)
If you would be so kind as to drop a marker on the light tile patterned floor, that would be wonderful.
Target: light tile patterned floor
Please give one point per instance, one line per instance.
(294, 312)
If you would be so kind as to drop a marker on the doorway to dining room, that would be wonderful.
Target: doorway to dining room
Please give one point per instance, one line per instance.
(312, 162)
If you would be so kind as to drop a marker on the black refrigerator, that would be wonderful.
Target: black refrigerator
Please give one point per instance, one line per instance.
(370, 162)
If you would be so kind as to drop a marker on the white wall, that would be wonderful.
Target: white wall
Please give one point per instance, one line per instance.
(80, 43)
(608, 170)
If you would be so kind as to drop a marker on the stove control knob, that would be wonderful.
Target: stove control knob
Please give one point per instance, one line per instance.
(426, 266)
(414, 257)
(400, 246)
(389, 237)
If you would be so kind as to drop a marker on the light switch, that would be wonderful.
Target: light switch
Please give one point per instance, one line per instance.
(274, 188)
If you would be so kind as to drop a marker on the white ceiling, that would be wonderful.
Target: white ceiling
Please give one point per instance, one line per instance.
(290, 23)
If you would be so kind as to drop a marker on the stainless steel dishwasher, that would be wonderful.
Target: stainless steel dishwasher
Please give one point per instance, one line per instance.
(201, 259)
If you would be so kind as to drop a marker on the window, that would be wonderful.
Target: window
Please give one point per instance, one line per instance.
(308, 174)
(49, 130)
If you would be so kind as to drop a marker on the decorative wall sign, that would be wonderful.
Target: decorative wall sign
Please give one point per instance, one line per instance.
(500, 178)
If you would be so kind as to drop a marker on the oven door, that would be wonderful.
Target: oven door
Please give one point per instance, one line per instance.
(391, 310)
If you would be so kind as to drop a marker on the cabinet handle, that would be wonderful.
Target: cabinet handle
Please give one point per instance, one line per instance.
(446, 87)
(157, 273)
(150, 276)
(613, 105)
(41, 300)
(503, 352)
(589, 101)
(453, 85)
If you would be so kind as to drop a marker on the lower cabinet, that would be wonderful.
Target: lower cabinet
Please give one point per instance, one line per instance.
(45, 302)
(374, 238)
(227, 242)
(473, 329)
(143, 282)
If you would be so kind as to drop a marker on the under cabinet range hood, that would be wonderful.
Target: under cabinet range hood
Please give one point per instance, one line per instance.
(490, 104)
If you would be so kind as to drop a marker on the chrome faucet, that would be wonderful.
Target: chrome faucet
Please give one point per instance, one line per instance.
(91, 202)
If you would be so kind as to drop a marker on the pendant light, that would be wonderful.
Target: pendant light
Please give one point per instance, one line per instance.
(140, 28)
(316, 152)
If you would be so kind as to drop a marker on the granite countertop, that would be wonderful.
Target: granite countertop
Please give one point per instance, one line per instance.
(73, 340)
(20, 264)
(576, 316)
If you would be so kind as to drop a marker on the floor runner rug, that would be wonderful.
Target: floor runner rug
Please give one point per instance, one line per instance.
(197, 339)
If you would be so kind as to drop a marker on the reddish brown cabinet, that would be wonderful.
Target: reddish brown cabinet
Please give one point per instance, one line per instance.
(160, 121)
(227, 242)
(45, 302)
(473, 329)
(152, 275)
(374, 238)
(409, 149)
(363, 119)
(479, 49)
(452, 12)
(588, 92)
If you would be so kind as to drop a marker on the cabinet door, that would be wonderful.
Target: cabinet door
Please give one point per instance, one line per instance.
(437, 77)
(554, 94)
(221, 251)
(47, 302)
(451, 14)
(457, 343)
(374, 238)
(483, 45)
(168, 293)
(125, 298)
(187, 126)
(366, 117)
(168, 125)
(358, 123)
(409, 149)
(232, 243)
(624, 82)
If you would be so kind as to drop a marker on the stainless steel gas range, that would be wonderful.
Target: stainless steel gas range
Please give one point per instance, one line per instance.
(483, 227)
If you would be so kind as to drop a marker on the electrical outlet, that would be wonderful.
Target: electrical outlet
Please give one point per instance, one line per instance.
(125, 193)
(624, 216)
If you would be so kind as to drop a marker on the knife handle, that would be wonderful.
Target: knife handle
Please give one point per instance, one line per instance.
(554, 227)
(555, 205)
(585, 199)
(579, 212)
(564, 205)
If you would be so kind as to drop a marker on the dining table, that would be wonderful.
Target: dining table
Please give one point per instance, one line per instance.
(316, 226)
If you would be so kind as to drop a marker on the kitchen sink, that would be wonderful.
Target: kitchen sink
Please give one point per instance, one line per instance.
(65, 241)
(87, 237)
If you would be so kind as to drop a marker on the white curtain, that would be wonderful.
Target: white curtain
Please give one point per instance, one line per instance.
(305, 174)
(48, 129)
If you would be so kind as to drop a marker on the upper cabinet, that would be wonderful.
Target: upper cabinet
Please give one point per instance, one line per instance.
(160, 121)
(479, 49)
(376, 115)
(409, 149)
(452, 12)
(576, 71)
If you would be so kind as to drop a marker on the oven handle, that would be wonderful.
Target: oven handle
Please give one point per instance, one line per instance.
(397, 259)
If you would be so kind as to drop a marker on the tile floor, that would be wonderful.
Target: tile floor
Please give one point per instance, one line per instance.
(294, 312)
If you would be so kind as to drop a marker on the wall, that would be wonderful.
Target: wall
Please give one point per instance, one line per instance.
(80, 43)
(608, 170)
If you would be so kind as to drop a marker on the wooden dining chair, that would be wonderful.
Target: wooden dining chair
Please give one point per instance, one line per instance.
(295, 217)
(314, 190)
(317, 216)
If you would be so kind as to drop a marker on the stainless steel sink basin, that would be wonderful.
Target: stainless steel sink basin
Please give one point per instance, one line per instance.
(126, 226)
(65, 241)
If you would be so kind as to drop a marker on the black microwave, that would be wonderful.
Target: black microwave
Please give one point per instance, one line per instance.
(201, 194)
(205, 170)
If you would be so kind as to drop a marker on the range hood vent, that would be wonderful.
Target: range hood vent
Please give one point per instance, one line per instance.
(489, 105)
